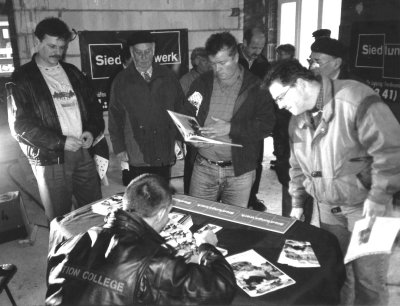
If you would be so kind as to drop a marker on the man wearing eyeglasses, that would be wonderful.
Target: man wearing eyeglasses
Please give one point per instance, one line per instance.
(328, 58)
(141, 130)
(344, 152)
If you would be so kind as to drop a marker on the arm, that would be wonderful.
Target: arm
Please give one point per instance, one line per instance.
(261, 121)
(210, 282)
(26, 122)
(297, 177)
(116, 121)
(95, 122)
(378, 132)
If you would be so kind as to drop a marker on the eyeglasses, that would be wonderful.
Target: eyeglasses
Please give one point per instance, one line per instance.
(145, 53)
(314, 64)
(282, 95)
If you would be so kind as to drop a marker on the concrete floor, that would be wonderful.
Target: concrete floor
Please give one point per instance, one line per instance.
(29, 284)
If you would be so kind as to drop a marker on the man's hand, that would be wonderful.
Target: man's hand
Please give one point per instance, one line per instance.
(123, 156)
(87, 139)
(72, 144)
(206, 237)
(373, 209)
(217, 129)
(297, 213)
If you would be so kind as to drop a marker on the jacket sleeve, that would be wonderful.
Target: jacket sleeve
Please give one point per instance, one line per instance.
(26, 123)
(210, 282)
(261, 121)
(378, 132)
(116, 120)
(297, 177)
(95, 120)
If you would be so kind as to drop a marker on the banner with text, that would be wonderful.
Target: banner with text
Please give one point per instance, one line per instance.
(101, 55)
(375, 55)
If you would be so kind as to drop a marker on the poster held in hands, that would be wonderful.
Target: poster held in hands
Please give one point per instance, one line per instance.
(189, 127)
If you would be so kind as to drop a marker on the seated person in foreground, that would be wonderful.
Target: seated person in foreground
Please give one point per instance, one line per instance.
(126, 262)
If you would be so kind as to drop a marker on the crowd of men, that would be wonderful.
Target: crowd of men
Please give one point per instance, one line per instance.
(336, 147)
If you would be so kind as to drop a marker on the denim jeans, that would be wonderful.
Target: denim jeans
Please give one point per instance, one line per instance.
(366, 277)
(77, 176)
(214, 183)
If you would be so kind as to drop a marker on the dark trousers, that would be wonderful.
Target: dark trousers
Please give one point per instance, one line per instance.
(256, 185)
(188, 168)
(77, 177)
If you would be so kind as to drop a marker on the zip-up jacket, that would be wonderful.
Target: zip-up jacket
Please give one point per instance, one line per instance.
(253, 117)
(33, 117)
(354, 154)
(128, 263)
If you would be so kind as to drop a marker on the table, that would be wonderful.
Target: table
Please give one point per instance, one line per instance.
(314, 286)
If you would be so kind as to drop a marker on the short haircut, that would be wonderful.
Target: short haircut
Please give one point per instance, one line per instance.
(287, 72)
(249, 33)
(220, 41)
(288, 48)
(147, 194)
(200, 51)
(53, 26)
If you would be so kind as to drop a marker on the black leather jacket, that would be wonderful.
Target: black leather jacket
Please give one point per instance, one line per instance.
(128, 263)
(33, 117)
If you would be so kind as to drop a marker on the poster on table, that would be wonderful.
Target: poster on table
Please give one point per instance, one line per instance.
(101, 55)
(375, 56)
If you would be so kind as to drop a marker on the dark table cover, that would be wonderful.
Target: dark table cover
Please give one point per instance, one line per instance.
(314, 286)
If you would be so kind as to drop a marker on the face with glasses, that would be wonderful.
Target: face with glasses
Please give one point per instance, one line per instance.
(324, 64)
(293, 98)
(142, 55)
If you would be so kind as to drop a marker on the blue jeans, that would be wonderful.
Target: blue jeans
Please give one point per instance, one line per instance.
(366, 276)
(214, 183)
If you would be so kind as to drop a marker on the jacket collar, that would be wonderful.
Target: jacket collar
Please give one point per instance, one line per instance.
(304, 119)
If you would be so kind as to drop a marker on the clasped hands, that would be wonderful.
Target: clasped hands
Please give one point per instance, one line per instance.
(74, 144)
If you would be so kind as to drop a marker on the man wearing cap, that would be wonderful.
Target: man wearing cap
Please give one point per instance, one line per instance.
(141, 130)
(328, 58)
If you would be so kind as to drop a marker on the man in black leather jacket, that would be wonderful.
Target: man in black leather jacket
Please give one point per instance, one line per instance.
(55, 116)
(126, 262)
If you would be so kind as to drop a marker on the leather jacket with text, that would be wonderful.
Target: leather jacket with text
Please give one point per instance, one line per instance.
(128, 263)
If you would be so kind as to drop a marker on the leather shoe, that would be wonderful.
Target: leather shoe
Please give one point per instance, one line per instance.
(258, 205)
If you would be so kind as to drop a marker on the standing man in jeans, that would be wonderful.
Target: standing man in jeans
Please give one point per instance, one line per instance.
(230, 106)
(55, 118)
(252, 59)
(345, 153)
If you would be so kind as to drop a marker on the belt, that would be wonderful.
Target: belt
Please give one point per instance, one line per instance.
(219, 163)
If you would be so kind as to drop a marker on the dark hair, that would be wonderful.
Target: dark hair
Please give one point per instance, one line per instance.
(200, 51)
(287, 72)
(219, 41)
(53, 26)
(288, 48)
(249, 33)
(147, 194)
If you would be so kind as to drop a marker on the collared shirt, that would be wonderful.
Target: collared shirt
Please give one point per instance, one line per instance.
(149, 72)
(222, 102)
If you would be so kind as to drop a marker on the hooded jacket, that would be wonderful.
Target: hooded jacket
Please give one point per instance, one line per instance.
(128, 263)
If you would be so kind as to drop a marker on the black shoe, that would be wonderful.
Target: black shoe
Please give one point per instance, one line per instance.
(258, 205)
